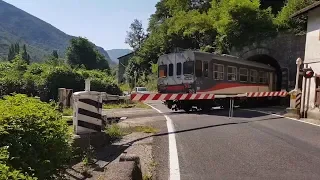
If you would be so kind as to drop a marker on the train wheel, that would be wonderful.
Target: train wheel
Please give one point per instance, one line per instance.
(187, 109)
(206, 108)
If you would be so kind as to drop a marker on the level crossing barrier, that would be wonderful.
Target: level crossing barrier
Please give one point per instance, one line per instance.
(205, 96)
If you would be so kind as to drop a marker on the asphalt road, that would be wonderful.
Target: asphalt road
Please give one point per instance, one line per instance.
(251, 145)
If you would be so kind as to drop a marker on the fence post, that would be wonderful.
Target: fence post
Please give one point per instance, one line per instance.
(62, 99)
(69, 93)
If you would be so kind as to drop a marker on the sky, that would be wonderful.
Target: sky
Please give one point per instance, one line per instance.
(104, 22)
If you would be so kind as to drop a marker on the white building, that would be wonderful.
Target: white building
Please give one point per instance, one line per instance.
(310, 97)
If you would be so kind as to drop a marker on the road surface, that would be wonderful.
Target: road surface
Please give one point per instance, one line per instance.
(251, 145)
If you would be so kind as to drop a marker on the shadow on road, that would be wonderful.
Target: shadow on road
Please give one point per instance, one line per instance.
(238, 113)
(206, 127)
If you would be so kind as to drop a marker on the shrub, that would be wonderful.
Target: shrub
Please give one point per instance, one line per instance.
(36, 136)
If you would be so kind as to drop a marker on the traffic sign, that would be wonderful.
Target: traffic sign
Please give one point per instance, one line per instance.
(308, 73)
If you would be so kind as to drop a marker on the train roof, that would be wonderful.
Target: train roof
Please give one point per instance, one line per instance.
(223, 57)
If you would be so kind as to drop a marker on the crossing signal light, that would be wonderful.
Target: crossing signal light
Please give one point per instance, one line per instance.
(308, 73)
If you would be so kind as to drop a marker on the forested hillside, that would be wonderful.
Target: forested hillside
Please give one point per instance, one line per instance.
(209, 25)
(41, 38)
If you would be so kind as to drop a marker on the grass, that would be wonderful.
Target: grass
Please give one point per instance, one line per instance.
(115, 131)
(67, 112)
(145, 129)
(126, 105)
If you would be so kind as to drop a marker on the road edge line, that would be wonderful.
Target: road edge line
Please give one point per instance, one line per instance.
(281, 116)
(173, 151)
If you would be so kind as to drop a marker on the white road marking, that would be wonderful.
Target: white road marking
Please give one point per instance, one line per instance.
(282, 116)
(173, 152)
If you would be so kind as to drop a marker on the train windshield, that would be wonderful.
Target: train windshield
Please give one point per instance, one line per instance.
(188, 67)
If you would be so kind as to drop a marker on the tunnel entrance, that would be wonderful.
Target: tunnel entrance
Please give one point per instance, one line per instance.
(265, 59)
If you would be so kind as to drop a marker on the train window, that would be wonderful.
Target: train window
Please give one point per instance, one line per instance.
(162, 71)
(232, 73)
(218, 72)
(205, 68)
(170, 69)
(188, 67)
(198, 68)
(262, 77)
(179, 69)
(253, 76)
(243, 75)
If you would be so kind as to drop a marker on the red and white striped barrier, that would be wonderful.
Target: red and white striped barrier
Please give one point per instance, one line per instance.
(157, 97)
(267, 94)
(164, 97)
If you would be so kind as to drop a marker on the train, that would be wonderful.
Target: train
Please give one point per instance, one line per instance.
(219, 74)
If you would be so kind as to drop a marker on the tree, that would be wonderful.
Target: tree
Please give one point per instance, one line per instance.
(82, 52)
(55, 54)
(17, 48)
(25, 55)
(240, 23)
(297, 25)
(11, 53)
(136, 35)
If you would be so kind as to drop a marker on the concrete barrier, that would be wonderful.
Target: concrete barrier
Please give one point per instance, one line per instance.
(87, 110)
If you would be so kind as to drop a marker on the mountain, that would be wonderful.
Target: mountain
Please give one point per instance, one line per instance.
(40, 37)
(115, 53)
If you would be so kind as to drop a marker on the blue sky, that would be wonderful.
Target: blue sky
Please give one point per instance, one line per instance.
(104, 22)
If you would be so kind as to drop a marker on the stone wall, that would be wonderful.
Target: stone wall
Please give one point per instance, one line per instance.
(285, 49)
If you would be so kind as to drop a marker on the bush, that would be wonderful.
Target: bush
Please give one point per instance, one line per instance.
(36, 136)
(43, 80)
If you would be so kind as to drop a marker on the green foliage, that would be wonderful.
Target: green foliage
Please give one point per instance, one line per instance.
(14, 51)
(240, 23)
(43, 80)
(211, 26)
(82, 52)
(36, 136)
(298, 25)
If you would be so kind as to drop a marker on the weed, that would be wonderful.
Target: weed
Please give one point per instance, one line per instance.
(147, 177)
(153, 164)
(67, 112)
(115, 131)
(145, 129)
(126, 105)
